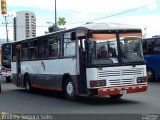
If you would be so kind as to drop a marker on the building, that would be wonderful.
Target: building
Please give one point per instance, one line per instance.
(24, 25)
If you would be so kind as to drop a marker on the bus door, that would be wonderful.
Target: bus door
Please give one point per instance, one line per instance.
(18, 65)
(82, 84)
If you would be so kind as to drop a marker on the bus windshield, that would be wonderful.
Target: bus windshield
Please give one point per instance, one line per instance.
(130, 49)
(104, 48)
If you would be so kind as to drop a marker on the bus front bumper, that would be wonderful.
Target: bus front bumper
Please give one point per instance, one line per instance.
(122, 90)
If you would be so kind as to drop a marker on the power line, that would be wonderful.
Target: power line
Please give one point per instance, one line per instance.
(115, 13)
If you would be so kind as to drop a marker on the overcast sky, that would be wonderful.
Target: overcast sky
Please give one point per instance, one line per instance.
(78, 12)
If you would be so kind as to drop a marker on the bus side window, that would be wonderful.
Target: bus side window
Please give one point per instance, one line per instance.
(24, 54)
(33, 53)
(42, 46)
(69, 45)
(156, 48)
(13, 52)
(33, 49)
(53, 47)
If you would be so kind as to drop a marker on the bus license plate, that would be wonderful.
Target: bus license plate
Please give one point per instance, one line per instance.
(123, 92)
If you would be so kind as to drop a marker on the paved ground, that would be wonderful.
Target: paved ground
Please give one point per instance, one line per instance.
(14, 100)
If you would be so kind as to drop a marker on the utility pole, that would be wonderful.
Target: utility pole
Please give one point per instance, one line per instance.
(6, 23)
(55, 15)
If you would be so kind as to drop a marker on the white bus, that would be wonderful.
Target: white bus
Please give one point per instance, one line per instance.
(94, 60)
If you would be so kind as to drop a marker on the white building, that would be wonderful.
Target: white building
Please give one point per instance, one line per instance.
(24, 25)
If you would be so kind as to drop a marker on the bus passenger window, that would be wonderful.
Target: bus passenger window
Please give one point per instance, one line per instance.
(54, 46)
(69, 48)
(53, 50)
(69, 45)
(33, 53)
(33, 49)
(24, 54)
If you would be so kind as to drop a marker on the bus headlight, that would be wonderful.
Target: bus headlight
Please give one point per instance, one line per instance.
(97, 83)
(142, 79)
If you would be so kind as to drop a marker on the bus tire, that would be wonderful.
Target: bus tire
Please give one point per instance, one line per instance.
(151, 75)
(28, 87)
(8, 79)
(116, 96)
(69, 89)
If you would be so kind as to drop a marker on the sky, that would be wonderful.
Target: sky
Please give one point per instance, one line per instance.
(141, 13)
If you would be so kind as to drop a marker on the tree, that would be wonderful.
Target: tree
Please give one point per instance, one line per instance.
(61, 22)
(52, 28)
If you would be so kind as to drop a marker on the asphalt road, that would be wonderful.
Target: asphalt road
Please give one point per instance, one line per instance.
(15, 100)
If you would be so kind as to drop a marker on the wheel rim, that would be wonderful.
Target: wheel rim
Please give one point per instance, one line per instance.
(70, 89)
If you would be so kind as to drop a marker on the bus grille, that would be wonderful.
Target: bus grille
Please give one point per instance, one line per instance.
(109, 73)
(120, 82)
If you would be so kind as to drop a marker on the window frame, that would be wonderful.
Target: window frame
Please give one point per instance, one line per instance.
(56, 41)
(71, 36)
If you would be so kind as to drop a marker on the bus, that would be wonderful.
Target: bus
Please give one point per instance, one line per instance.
(98, 59)
(151, 49)
(5, 67)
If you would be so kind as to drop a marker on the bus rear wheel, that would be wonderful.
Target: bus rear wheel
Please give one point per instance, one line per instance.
(69, 90)
(116, 96)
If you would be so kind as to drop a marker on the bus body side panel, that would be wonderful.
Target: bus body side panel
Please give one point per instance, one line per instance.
(153, 62)
(48, 74)
(118, 78)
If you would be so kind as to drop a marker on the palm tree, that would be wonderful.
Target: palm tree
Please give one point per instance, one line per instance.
(61, 21)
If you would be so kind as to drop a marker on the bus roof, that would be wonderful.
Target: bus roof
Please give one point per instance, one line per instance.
(110, 26)
(96, 27)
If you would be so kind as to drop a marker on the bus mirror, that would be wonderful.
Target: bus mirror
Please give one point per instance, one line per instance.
(73, 35)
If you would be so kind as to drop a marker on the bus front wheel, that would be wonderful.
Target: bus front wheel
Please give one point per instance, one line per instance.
(69, 90)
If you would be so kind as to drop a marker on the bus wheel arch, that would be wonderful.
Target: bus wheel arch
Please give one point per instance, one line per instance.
(68, 87)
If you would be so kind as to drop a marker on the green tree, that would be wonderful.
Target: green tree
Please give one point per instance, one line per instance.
(61, 22)
(52, 28)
